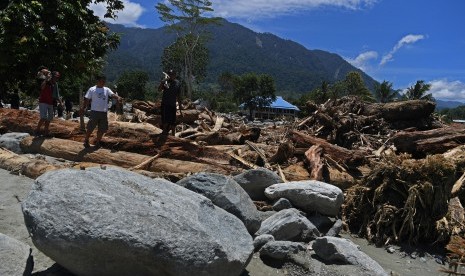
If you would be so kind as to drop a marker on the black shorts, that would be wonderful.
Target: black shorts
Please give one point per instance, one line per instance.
(168, 114)
(99, 119)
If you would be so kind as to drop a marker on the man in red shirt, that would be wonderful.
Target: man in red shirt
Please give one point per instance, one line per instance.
(45, 104)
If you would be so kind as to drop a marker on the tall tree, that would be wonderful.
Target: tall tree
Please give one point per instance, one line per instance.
(321, 94)
(355, 86)
(174, 57)
(418, 92)
(255, 91)
(384, 92)
(62, 35)
(185, 17)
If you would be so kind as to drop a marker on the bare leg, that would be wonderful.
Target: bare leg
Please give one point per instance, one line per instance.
(47, 124)
(88, 133)
(99, 136)
(39, 125)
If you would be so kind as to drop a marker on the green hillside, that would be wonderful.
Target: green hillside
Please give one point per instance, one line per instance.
(236, 49)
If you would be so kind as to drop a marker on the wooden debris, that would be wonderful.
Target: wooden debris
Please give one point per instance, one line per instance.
(75, 151)
(260, 153)
(434, 141)
(339, 154)
(316, 166)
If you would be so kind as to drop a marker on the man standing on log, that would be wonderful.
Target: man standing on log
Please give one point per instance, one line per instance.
(171, 89)
(45, 102)
(98, 95)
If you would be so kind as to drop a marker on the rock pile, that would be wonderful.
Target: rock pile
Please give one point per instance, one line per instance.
(109, 221)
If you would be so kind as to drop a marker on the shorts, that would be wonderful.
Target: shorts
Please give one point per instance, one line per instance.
(46, 111)
(168, 114)
(99, 119)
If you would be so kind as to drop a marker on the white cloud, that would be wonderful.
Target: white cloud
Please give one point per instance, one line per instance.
(408, 39)
(448, 90)
(128, 16)
(254, 9)
(362, 60)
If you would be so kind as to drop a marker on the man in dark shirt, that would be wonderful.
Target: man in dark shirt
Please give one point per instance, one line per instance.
(171, 89)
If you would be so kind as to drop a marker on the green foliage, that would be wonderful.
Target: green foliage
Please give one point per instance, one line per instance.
(220, 101)
(352, 85)
(254, 91)
(321, 94)
(355, 86)
(174, 57)
(62, 35)
(418, 92)
(133, 85)
(450, 114)
(384, 92)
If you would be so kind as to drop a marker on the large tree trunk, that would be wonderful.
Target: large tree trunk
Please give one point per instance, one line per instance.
(434, 141)
(75, 151)
(403, 110)
(26, 121)
(20, 164)
(189, 116)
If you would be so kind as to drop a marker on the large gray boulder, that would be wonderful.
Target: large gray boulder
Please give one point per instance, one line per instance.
(12, 141)
(115, 222)
(15, 257)
(339, 250)
(309, 196)
(289, 225)
(225, 193)
(255, 181)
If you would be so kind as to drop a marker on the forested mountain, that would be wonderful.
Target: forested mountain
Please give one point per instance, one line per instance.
(235, 49)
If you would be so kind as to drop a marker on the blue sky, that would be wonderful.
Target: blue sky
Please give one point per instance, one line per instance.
(400, 41)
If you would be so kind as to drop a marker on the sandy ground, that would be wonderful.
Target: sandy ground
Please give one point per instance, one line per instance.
(404, 261)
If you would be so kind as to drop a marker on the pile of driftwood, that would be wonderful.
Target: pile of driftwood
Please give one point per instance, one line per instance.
(399, 165)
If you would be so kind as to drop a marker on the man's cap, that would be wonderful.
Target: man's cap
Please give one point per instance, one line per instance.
(171, 72)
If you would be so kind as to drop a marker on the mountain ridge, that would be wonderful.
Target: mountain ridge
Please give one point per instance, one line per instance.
(236, 49)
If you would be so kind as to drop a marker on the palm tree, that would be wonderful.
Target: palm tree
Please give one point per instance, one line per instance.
(384, 92)
(418, 92)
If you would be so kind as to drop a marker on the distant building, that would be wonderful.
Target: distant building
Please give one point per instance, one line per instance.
(278, 108)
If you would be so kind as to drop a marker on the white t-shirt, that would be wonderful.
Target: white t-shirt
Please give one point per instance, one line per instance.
(99, 98)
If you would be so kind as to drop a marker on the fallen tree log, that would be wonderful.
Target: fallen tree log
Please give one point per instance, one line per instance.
(33, 167)
(350, 158)
(188, 117)
(233, 138)
(30, 167)
(402, 110)
(147, 106)
(75, 151)
(434, 141)
(26, 121)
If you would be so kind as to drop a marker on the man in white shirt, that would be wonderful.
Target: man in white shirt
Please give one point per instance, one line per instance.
(98, 96)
